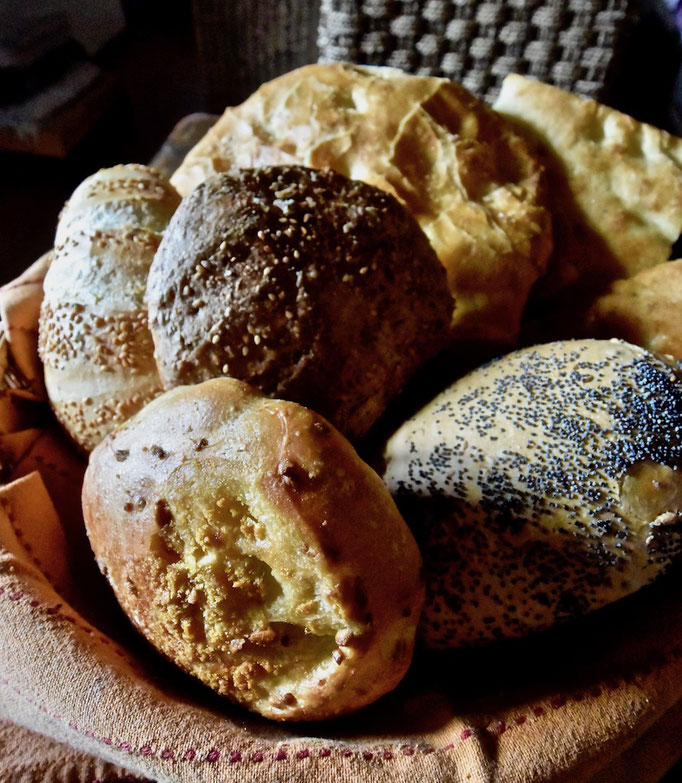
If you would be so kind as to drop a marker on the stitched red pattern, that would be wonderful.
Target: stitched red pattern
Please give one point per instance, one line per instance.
(18, 532)
(55, 610)
(236, 756)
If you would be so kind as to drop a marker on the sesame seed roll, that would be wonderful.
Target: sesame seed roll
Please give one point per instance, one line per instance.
(94, 343)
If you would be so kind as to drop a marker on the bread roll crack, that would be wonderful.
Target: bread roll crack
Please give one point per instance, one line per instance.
(423, 139)
(247, 540)
(227, 585)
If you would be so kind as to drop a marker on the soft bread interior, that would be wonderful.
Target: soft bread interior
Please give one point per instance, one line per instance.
(242, 586)
(247, 540)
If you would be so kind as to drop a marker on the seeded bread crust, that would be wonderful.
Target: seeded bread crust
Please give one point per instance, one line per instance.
(246, 539)
(541, 486)
(94, 341)
(464, 173)
(310, 286)
(123, 196)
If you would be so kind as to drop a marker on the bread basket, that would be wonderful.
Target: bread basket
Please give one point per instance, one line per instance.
(84, 698)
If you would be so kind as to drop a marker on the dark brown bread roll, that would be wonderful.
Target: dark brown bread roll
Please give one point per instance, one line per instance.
(247, 540)
(311, 286)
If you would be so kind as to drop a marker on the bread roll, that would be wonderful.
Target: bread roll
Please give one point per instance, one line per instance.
(644, 309)
(94, 343)
(248, 542)
(462, 171)
(542, 486)
(124, 196)
(616, 184)
(311, 286)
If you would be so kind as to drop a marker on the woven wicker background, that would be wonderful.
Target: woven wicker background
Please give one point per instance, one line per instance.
(569, 43)
(573, 44)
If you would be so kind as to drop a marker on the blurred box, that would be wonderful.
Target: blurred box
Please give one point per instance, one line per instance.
(51, 94)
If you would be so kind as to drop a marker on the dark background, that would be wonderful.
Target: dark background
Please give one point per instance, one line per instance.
(154, 66)
(160, 78)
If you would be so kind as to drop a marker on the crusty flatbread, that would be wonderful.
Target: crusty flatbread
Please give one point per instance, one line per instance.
(644, 310)
(616, 184)
(469, 179)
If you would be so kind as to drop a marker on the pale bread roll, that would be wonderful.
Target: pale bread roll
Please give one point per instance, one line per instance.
(616, 184)
(246, 540)
(94, 341)
(644, 309)
(125, 196)
(467, 177)
(542, 486)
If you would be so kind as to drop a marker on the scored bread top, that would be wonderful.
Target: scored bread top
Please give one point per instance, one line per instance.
(464, 174)
(94, 343)
(123, 196)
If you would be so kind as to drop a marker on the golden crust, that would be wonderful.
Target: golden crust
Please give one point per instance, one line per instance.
(541, 486)
(467, 177)
(644, 310)
(123, 196)
(616, 183)
(94, 341)
(308, 285)
(247, 541)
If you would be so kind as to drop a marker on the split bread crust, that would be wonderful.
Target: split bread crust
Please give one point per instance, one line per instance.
(250, 544)
(466, 175)
(615, 185)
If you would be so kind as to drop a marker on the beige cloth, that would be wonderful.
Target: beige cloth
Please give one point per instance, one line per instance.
(82, 697)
